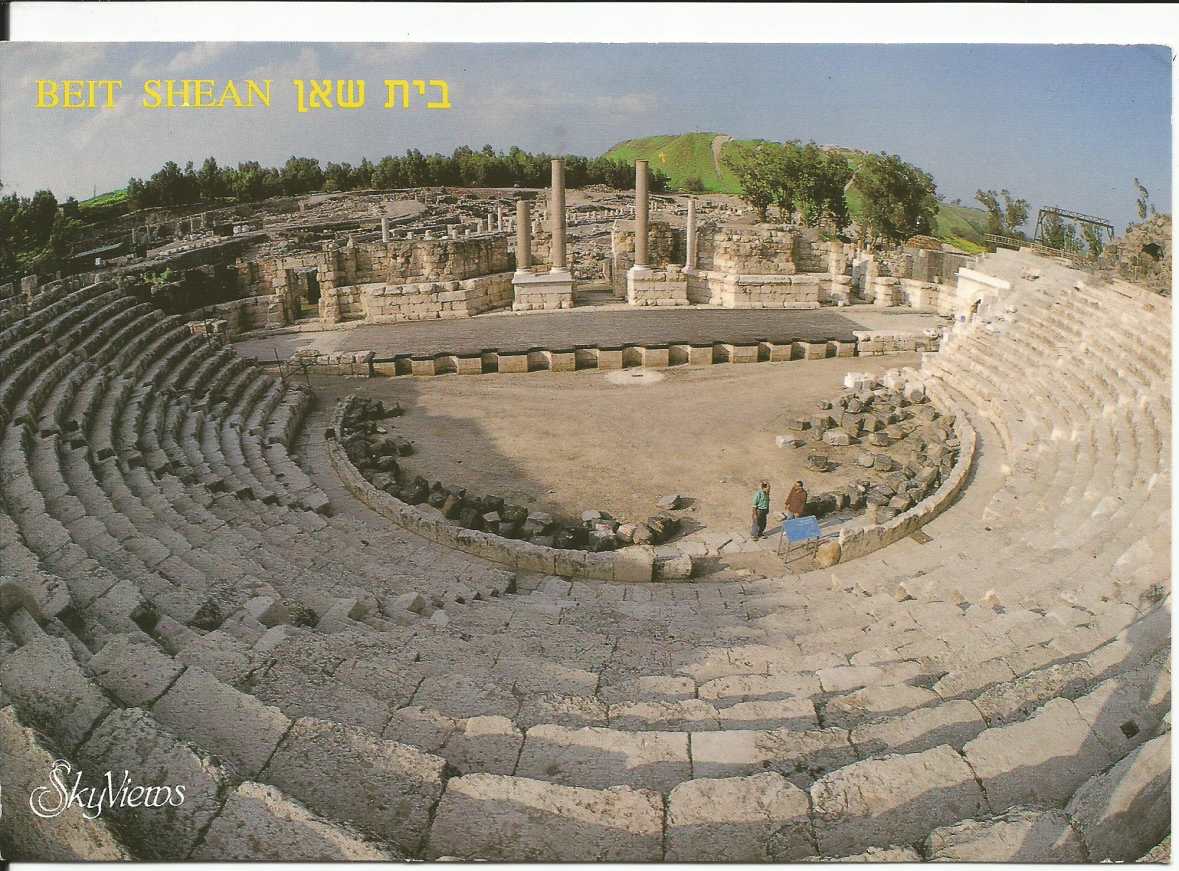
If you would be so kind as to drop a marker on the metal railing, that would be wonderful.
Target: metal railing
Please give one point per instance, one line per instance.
(1015, 244)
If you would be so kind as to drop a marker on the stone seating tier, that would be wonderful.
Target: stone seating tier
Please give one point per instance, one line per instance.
(184, 582)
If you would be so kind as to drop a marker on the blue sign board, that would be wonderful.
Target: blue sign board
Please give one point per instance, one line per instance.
(802, 529)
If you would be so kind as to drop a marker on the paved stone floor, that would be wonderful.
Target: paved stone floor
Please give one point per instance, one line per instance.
(596, 325)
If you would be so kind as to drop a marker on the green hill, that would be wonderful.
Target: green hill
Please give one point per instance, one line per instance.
(690, 155)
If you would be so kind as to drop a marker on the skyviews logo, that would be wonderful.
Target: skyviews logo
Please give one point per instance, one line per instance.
(65, 790)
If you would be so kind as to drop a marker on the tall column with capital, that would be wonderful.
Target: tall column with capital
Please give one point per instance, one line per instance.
(690, 241)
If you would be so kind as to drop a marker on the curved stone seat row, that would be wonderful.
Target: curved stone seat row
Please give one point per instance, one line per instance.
(990, 688)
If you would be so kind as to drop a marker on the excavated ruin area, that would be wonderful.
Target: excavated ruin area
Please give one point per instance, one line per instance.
(568, 442)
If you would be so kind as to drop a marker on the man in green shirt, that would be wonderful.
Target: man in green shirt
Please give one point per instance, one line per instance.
(761, 509)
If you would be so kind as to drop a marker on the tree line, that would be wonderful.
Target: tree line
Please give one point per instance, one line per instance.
(250, 182)
(35, 233)
(809, 185)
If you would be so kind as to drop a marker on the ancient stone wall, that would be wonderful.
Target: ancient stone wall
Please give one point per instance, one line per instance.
(665, 246)
(430, 300)
(659, 287)
(752, 250)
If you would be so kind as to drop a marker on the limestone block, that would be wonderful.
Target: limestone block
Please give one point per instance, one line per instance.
(1041, 760)
(879, 802)
(400, 783)
(1125, 711)
(134, 672)
(634, 564)
(1126, 810)
(795, 755)
(471, 693)
(655, 358)
(952, 723)
(761, 818)
(484, 744)
(498, 818)
(700, 355)
(50, 691)
(513, 363)
(609, 358)
(732, 689)
(794, 714)
(259, 823)
(423, 366)
(877, 701)
(231, 724)
(562, 361)
(969, 681)
(843, 678)
(70, 837)
(597, 757)
(1019, 836)
(809, 351)
(168, 827)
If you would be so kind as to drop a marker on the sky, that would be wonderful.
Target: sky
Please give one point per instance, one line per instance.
(1058, 125)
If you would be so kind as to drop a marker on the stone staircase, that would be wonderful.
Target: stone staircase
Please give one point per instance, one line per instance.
(335, 689)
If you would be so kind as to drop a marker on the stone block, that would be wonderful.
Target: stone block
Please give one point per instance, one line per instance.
(226, 722)
(513, 363)
(472, 365)
(634, 564)
(700, 355)
(655, 358)
(809, 351)
(762, 818)
(798, 756)
(898, 799)
(598, 758)
(487, 745)
(69, 837)
(609, 358)
(952, 723)
(133, 671)
(423, 366)
(167, 825)
(260, 823)
(1018, 836)
(1125, 811)
(50, 691)
(517, 819)
(562, 361)
(400, 783)
(1042, 760)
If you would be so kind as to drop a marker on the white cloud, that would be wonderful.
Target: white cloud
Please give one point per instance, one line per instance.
(197, 56)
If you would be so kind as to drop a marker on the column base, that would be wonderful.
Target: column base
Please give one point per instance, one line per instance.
(546, 290)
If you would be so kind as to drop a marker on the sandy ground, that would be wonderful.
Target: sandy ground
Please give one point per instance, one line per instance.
(617, 441)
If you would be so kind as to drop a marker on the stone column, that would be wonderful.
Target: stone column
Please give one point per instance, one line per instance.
(641, 213)
(690, 241)
(557, 218)
(523, 236)
(384, 229)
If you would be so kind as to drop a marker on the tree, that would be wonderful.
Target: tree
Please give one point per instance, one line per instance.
(1058, 233)
(755, 168)
(1005, 213)
(301, 175)
(899, 199)
(1144, 205)
(1093, 240)
(211, 181)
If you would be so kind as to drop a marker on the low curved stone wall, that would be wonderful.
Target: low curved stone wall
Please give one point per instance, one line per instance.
(632, 564)
(860, 542)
